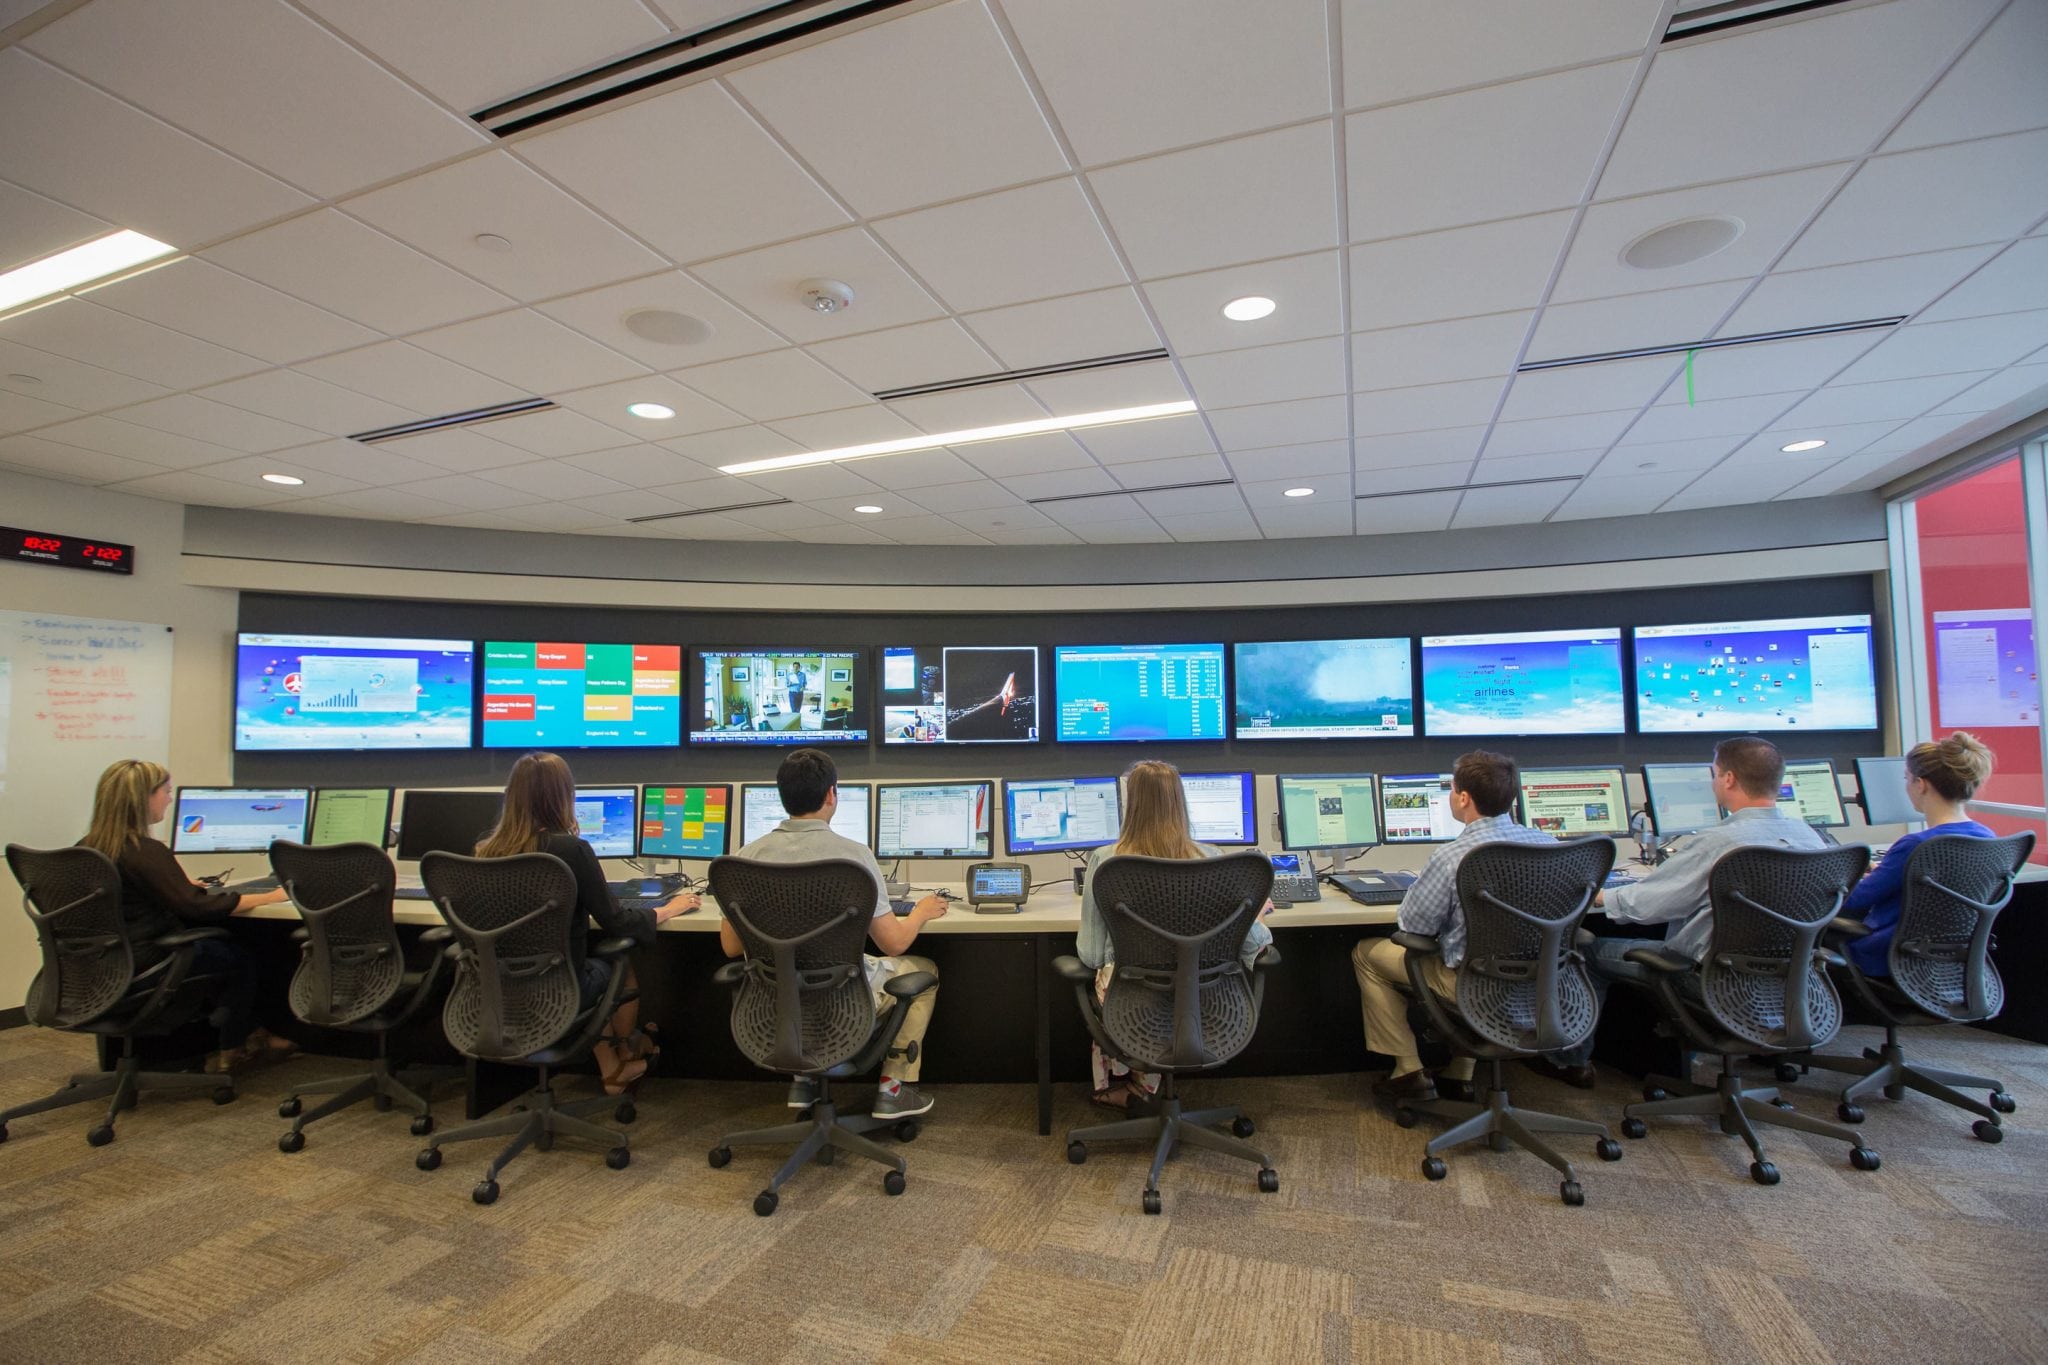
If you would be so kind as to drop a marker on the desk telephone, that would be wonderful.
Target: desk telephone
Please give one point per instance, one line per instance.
(1293, 884)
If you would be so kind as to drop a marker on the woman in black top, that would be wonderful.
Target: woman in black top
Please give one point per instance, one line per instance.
(539, 816)
(157, 898)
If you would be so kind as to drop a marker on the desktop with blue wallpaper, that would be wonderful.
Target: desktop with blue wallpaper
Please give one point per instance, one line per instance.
(1796, 673)
(303, 692)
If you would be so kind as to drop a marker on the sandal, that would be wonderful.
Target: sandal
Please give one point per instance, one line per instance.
(624, 1079)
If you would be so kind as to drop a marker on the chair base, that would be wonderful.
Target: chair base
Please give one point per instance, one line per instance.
(121, 1087)
(1503, 1125)
(1167, 1130)
(825, 1132)
(382, 1083)
(537, 1118)
(1888, 1069)
(1739, 1109)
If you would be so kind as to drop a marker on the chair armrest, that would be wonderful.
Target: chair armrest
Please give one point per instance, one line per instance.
(1418, 943)
(302, 935)
(910, 984)
(730, 973)
(611, 948)
(1831, 957)
(1073, 969)
(440, 933)
(1268, 958)
(1844, 930)
(183, 937)
(1659, 959)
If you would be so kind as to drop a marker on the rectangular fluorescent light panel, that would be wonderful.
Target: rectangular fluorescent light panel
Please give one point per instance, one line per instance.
(81, 265)
(1107, 417)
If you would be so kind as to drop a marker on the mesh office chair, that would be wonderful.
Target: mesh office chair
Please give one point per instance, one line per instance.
(89, 984)
(353, 976)
(1941, 973)
(1181, 999)
(517, 999)
(1522, 990)
(802, 1005)
(1762, 988)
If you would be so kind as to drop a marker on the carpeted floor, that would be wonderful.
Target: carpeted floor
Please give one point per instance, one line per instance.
(192, 1239)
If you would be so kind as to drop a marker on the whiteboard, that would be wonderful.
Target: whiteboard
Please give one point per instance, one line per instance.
(76, 694)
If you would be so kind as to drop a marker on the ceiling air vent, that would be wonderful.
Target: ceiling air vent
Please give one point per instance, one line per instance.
(454, 419)
(1472, 487)
(1101, 362)
(1695, 20)
(1126, 492)
(711, 511)
(1710, 344)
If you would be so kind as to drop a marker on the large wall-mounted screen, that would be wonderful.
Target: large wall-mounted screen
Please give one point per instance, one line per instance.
(1323, 689)
(554, 695)
(301, 692)
(1139, 692)
(1798, 673)
(1986, 673)
(960, 694)
(779, 696)
(1536, 682)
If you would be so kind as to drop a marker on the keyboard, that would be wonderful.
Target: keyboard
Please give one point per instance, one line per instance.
(255, 886)
(642, 902)
(411, 893)
(1374, 888)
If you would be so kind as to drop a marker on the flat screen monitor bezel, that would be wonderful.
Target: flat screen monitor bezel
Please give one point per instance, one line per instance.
(862, 712)
(399, 852)
(740, 790)
(1258, 735)
(1835, 781)
(1648, 771)
(1621, 663)
(1616, 769)
(235, 744)
(1863, 775)
(880, 706)
(1009, 813)
(1387, 839)
(178, 803)
(1372, 780)
(313, 813)
(1248, 795)
(633, 791)
(1676, 629)
(483, 734)
(1224, 706)
(732, 810)
(875, 818)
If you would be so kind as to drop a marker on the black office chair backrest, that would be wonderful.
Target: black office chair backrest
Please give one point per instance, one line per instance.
(73, 897)
(1941, 951)
(352, 965)
(1179, 998)
(516, 989)
(1523, 983)
(1763, 977)
(804, 1005)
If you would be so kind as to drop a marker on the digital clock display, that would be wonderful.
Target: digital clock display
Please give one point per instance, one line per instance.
(67, 552)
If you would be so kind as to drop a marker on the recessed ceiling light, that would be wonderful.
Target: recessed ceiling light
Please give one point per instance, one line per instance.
(867, 507)
(1298, 492)
(95, 260)
(288, 480)
(1798, 446)
(491, 241)
(653, 412)
(1250, 308)
(1681, 243)
(1107, 417)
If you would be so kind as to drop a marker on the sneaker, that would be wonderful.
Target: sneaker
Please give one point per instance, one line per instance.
(907, 1102)
(803, 1093)
(1413, 1085)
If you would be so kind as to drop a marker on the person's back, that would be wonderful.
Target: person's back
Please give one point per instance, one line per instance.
(1941, 777)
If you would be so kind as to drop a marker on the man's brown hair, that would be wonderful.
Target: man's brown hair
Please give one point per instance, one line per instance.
(1758, 767)
(1488, 778)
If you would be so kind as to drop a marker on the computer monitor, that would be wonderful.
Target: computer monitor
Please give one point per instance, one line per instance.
(441, 821)
(238, 819)
(1111, 693)
(1881, 783)
(761, 810)
(1986, 671)
(778, 696)
(685, 821)
(351, 815)
(1795, 673)
(1681, 797)
(300, 692)
(1322, 689)
(1811, 793)
(1569, 802)
(1529, 682)
(1415, 808)
(552, 695)
(1328, 810)
(608, 819)
(935, 819)
(960, 694)
(1221, 808)
(1055, 814)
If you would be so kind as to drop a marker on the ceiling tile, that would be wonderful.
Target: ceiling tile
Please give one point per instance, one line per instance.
(466, 492)
(845, 427)
(1157, 473)
(378, 465)
(766, 284)
(1417, 479)
(72, 464)
(1212, 526)
(161, 448)
(913, 111)
(198, 489)
(1545, 435)
(1705, 418)
(1425, 408)
(1626, 496)
(526, 349)
(1162, 438)
(205, 420)
(1309, 303)
(641, 466)
(1451, 445)
(1597, 326)
(688, 171)
(1121, 532)
(1556, 464)
(1929, 200)
(1734, 485)
(2016, 280)
(18, 412)
(922, 353)
(1437, 352)
(1290, 462)
(303, 400)
(1520, 505)
(32, 227)
(607, 403)
(553, 479)
(262, 81)
(730, 446)
(978, 495)
(1056, 484)
(1109, 388)
(818, 482)
(601, 314)
(459, 450)
(1080, 326)
(1463, 272)
(1928, 348)
(1280, 424)
(1821, 89)
(207, 302)
(88, 150)
(350, 268)
(1843, 438)
(719, 490)
(82, 330)
(319, 480)
(1610, 387)
(1497, 152)
(1041, 454)
(51, 378)
(555, 433)
(412, 378)
(1145, 75)
(1291, 523)
(1076, 513)
(1048, 534)
(909, 472)
(1995, 88)
(1848, 293)
(1395, 51)
(2007, 386)
(1268, 374)
(1771, 367)
(776, 384)
(1013, 247)
(1406, 513)
(387, 504)
(1171, 219)
(1900, 398)
(1665, 457)
(964, 409)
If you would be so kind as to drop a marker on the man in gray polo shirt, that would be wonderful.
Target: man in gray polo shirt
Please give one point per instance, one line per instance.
(808, 782)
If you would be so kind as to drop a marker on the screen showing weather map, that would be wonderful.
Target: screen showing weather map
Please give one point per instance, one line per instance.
(1799, 673)
(1137, 692)
(1985, 669)
(1323, 689)
(571, 696)
(960, 694)
(352, 692)
(1539, 682)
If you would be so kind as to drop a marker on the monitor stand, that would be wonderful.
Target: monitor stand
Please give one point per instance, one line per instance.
(894, 882)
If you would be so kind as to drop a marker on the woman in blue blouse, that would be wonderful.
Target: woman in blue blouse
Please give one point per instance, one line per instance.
(1941, 775)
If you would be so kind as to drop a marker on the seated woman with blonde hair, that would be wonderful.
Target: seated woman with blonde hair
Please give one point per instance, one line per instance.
(1941, 776)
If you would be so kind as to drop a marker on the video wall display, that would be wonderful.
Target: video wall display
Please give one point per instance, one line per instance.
(1323, 689)
(960, 694)
(1798, 673)
(780, 696)
(306, 692)
(1986, 671)
(1112, 693)
(1537, 682)
(543, 695)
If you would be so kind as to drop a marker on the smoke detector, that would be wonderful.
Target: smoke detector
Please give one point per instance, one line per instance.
(825, 296)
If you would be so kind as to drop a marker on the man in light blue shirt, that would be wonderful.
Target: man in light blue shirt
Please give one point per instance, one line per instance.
(1483, 786)
(1747, 773)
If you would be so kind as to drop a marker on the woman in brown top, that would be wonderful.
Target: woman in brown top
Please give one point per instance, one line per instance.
(157, 898)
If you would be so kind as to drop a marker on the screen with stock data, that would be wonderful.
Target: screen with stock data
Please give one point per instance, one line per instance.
(1139, 692)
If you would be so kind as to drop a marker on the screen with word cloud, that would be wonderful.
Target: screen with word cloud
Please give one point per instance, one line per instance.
(1539, 682)
(1798, 673)
(1139, 692)
(301, 692)
(541, 694)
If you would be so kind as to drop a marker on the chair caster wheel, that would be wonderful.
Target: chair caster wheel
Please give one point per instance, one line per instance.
(290, 1108)
(825, 1156)
(1077, 1152)
(1243, 1126)
(1786, 1073)
(1763, 1172)
(222, 1094)
(1433, 1168)
(486, 1192)
(1653, 1093)
(625, 1113)
(1863, 1158)
(1607, 1149)
(892, 1182)
(907, 1130)
(1405, 1117)
(1269, 1181)
(291, 1142)
(765, 1202)
(1849, 1113)
(429, 1159)
(422, 1125)
(382, 1102)
(1634, 1128)
(719, 1156)
(3, 1132)
(1151, 1201)
(1781, 1103)
(1987, 1131)
(100, 1135)
(1572, 1193)
(2003, 1103)
(618, 1158)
